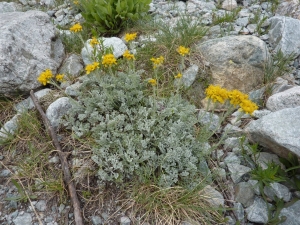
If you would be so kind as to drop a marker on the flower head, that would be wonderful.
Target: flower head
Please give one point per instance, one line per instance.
(76, 27)
(178, 76)
(59, 77)
(94, 42)
(236, 97)
(45, 77)
(183, 51)
(248, 106)
(109, 60)
(76, 2)
(130, 37)
(152, 82)
(157, 61)
(128, 55)
(91, 67)
(216, 93)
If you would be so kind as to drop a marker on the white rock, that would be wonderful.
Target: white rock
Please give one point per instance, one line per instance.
(229, 4)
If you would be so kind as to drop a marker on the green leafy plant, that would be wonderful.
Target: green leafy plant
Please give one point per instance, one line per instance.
(136, 136)
(228, 17)
(110, 16)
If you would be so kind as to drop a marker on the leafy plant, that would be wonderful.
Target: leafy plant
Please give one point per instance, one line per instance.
(267, 176)
(110, 16)
(136, 136)
(227, 17)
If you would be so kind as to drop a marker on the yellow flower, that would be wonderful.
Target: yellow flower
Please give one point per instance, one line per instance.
(236, 97)
(94, 42)
(108, 60)
(76, 2)
(130, 37)
(179, 75)
(128, 56)
(216, 93)
(76, 27)
(45, 77)
(183, 51)
(248, 106)
(59, 77)
(157, 61)
(91, 67)
(152, 82)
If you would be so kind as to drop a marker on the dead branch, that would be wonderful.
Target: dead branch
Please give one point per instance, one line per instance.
(63, 159)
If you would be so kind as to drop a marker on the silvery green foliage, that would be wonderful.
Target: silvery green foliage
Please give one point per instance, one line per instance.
(136, 136)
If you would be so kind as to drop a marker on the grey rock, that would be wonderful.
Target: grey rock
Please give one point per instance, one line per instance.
(49, 3)
(41, 205)
(239, 211)
(230, 220)
(278, 190)
(286, 99)
(264, 37)
(237, 171)
(254, 184)
(9, 7)
(72, 66)
(252, 28)
(212, 196)
(72, 90)
(232, 158)
(9, 127)
(5, 173)
(54, 159)
(292, 214)
(105, 216)
(229, 4)
(24, 219)
(260, 113)
(212, 121)
(27, 104)
(48, 219)
(277, 131)
(59, 13)
(57, 109)
(289, 8)
(235, 59)
(244, 193)
(96, 220)
(117, 44)
(243, 22)
(189, 75)
(28, 45)
(258, 211)
(284, 33)
(264, 158)
(124, 220)
(232, 130)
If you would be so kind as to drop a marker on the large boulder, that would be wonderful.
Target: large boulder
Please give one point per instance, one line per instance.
(28, 45)
(278, 131)
(284, 35)
(287, 99)
(237, 62)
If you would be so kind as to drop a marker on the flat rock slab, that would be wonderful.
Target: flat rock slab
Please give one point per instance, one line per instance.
(278, 131)
(28, 46)
(234, 60)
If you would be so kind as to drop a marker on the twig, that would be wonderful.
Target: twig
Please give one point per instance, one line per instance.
(67, 175)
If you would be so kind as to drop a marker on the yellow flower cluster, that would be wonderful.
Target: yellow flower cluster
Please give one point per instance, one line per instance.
(152, 82)
(183, 51)
(157, 61)
(91, 67)
(236, 98)
(76, 27)
(130, 37)
(45, 77)
(178, 76)
(109, 60)
(128, 56)
(94, 42)
(59, 77)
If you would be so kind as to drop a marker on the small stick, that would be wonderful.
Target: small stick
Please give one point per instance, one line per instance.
(67, 175)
